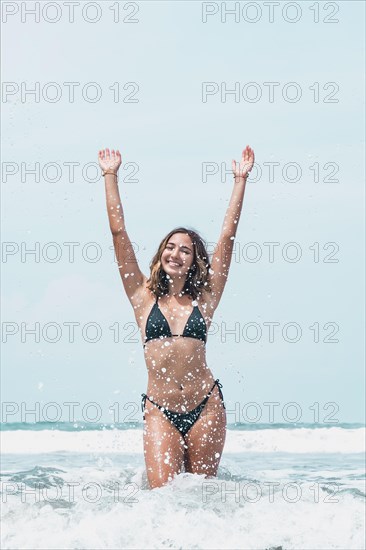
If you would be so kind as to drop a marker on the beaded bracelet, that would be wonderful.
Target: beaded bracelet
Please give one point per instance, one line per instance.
(245, 176)
(108, 172)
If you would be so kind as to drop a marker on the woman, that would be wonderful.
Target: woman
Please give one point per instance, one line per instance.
(184, 420)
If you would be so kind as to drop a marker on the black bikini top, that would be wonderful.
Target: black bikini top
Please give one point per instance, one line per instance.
(158, 327)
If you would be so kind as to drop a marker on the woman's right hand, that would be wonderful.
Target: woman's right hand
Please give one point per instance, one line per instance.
(110, 161)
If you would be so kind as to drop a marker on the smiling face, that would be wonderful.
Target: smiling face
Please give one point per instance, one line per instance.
(178, 255)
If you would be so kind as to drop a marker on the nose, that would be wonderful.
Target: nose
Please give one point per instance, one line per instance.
(174, 255)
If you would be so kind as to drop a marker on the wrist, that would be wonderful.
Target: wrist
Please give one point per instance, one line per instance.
(109, 172)
(239, 179)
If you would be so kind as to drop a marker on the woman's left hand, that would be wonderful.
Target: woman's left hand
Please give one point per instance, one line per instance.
(242, 169)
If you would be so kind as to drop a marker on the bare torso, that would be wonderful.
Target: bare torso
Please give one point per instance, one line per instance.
(178, 375)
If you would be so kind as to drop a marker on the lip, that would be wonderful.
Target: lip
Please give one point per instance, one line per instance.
(174, 264)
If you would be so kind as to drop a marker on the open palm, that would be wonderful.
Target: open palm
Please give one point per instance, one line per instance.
(109, 160)
(243, 168)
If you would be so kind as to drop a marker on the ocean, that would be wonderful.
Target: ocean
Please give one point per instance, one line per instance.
(279, 486)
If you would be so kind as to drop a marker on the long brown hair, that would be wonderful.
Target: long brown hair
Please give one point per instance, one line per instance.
(198, 276)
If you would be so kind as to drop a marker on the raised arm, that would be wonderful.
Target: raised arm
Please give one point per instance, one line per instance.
(221, 258)
(131, 275)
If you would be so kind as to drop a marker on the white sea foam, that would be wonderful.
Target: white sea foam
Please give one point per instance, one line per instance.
(301, 440)
(177, 516)
(249, 505)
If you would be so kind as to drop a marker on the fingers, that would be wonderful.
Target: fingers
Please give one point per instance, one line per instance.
(106, 153)
(247, 152)
(233, 165)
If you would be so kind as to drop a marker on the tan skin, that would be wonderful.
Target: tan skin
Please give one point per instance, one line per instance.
(178, 375)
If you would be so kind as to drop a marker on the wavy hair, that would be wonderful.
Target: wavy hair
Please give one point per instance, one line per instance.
(198, 275)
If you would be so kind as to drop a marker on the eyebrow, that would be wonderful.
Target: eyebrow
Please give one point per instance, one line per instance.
(182, 246)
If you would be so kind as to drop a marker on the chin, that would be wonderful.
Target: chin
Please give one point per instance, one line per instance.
(175, 271)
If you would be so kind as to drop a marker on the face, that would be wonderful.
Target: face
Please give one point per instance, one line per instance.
(177, 257)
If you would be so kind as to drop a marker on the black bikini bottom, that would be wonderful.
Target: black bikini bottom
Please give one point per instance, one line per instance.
(184, 421)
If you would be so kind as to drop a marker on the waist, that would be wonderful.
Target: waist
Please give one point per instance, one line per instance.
(180, 393)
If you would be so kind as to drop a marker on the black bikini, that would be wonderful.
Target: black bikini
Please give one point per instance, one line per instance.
(158, 327)
(184, 421)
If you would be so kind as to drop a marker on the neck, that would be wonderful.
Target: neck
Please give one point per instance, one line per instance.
(175, 288)
(174, 293)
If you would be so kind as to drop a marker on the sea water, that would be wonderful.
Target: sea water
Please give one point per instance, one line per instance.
(84, 485)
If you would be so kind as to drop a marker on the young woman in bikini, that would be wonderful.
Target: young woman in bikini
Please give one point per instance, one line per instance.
(184, 411)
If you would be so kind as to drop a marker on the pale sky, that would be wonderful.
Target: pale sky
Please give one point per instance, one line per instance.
(169, 133)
